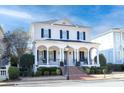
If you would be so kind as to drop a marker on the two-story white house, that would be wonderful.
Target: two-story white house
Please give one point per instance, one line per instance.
(58, 41)
(112, 45)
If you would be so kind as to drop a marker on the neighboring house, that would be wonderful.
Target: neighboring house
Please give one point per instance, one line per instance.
(58, 41)
(112, 45)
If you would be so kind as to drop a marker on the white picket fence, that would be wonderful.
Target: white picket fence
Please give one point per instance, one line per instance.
(4, 74)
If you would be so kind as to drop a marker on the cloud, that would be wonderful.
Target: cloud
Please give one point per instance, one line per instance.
(14, 13)
(114, 19)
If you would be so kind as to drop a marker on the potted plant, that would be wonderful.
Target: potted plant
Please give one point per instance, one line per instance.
(61, 63)
(78, 63)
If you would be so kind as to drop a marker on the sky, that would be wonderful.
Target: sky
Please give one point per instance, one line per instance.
(99, 18)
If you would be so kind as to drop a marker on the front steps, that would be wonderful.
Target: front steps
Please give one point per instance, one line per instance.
(74, 73)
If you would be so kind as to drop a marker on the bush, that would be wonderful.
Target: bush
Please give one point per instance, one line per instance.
(86, 70)
(97, 70)
(38, 73)
(102, 60)
(49, 71)
(13, 73)
(109, 68)
(26, 64)
(58, 71)
(118, 67)
(92, 70)
(14, 61)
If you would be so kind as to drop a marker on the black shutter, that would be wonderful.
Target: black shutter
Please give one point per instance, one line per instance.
(83, 35)
(54, 55)
(67, 34)
(77, 35)
(42, 33)
(49, 33)
(60, 34)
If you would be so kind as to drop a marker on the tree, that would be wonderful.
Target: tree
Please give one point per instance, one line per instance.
(102, 60)
(26, 63)
(16, 42)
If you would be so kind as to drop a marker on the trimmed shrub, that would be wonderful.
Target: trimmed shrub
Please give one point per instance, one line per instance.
(46, 73)
(58, 71)
(118, 67)
(38, 73)
(109, 68)
(26, 64)
(14, 61)
(86, 70)
(49, 71)
(92, 70)
(97, 70)
(13, 73)
(102, 60)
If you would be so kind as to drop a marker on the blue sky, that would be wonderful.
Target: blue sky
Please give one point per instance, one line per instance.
(99, 18)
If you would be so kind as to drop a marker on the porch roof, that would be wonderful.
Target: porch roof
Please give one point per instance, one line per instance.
(72, 41)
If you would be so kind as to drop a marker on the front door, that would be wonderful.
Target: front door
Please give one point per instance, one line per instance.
(68, 58)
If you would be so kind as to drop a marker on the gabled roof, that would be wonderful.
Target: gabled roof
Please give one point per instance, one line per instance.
(62, 22)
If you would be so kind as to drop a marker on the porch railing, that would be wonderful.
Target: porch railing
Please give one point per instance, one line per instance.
(51, 62)
(4, 73)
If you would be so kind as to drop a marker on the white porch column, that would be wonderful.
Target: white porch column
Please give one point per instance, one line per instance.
(98, 57)
(88, 57)
(35, 54)
(47, 56)
(60, 54)
(77, 55)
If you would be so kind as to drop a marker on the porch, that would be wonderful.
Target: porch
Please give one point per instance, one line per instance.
(51, 54)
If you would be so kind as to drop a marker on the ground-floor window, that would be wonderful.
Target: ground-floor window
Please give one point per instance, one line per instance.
(52, 55)
(81, 53)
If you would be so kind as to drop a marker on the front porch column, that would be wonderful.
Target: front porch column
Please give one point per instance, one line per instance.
(60, 54)
(98, 57)
(77, 55)
(35, 54)
(47, 56)
(88, 57)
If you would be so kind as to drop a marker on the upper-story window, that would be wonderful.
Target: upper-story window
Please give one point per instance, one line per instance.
(80, 35)
(45, 33)
(64, 34)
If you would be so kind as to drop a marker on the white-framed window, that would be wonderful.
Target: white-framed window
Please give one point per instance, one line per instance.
(46, 33)
(81, 35)
(52, 55)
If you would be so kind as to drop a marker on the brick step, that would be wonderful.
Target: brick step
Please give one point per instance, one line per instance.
(74, 72)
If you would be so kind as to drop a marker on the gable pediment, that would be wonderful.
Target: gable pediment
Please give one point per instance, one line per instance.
(63, 22)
